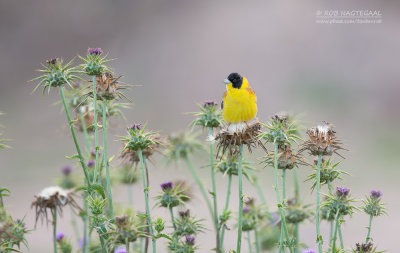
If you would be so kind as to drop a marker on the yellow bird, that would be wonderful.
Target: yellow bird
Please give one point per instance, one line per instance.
(239, 104)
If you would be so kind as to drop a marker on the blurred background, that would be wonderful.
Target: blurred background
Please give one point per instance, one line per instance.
(180, 52)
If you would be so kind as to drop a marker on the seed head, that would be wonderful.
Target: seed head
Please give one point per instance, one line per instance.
(364, 247)
(322, 141)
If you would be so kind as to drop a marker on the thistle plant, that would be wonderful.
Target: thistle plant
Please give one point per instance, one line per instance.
(139, 140)
(211, 118)
(322, 142)
(282, 133)
(374, 208)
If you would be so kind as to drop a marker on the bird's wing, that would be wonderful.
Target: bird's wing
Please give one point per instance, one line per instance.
(223, 98)
(253, 96)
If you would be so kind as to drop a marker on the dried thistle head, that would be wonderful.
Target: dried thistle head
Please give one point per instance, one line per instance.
(322, 141)
(287, 158)
(365, 248)
(52, 199)
(85, 118)
(229, 141)
(126, 228)
(56, 74)
(94, 63)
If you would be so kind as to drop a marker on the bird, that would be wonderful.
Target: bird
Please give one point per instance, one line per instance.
(239, 105)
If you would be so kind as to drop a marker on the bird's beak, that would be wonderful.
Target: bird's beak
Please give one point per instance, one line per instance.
(226, 81)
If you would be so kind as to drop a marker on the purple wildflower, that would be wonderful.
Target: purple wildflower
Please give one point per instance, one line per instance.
(20, 222)
(342, 192)
(375, 194)
(309, 250)
(136, 127)
(167, 186)
(190, 239)
(209, 104)
(59, 236)
(90, 163)
(66, 170)
(120, 249)
(95, 51)
(246, 209)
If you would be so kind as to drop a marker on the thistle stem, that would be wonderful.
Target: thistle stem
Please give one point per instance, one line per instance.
(146, 198)
(335, 233)
(106, 162)
(201, 186)
(257, 241)
(85, 247)
(130, 194)
(74, 225)
(96, 129)
(228, 194)
(85, 133)
(240, 194)
(319, 237)
(171, 212)
(78, 149)
(214, 194)
(369, 229)
(278, 199)
(249, 241)
(341, 238)
(55, 229)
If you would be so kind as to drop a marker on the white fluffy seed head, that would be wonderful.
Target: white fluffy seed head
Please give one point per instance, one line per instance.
(47, 192)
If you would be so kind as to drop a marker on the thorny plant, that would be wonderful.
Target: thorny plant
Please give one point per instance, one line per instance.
(107, 227)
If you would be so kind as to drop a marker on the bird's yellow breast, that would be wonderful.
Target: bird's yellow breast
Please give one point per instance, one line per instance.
(240, 105)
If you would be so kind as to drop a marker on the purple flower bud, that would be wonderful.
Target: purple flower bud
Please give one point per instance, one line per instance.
(66, 170)
(308, 251)
(246, 209)
(93, 152)
(136, 127)
(90, 163)
(95, 51)
(167, 186)
(59, 236)
(20, 222)
(342, 191)
(190, 239)
(120, 249)
(209, 104)
(375, 194)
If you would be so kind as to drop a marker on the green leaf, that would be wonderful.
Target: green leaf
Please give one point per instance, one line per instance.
(99, 189)
(76, 156)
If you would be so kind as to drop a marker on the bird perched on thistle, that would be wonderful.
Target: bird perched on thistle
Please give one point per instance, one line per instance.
(239, 105)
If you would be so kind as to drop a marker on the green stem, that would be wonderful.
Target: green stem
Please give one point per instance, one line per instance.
(341, 238)
(146, 198)
(78, 149)
(296, 185)
(214, 194)
(240, 194)
(171, 212)
(85, 247)
(201, 186)
(85, 133)
(278, 199)
(335, 233)
(55, 229)
(228, 194)
(127, 245)
(319, 237)
(96, 129)
(257, 240)
(330, 232)
(105, 158)
(296, 234)
(369, 229)
(283, 197)
(249, 241)
(74, 225)
(130, 194)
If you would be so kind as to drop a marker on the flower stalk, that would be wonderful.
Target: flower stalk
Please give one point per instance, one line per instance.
(55, 229)
(369, 229)
(240, 194)
(146, 198)
(96, 129)
(105, 158)
(228, 195)
(317, 212)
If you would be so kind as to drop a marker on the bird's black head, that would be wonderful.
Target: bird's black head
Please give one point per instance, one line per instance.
(236, 80)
